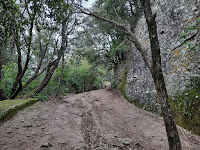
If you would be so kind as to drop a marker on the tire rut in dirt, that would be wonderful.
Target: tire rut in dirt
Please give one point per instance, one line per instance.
(90, 130)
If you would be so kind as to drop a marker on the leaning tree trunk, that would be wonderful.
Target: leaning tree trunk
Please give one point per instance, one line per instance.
(157, 74)
(47, 78)
(53, 66)
(18, 80)
(21, 71)
(50, 71)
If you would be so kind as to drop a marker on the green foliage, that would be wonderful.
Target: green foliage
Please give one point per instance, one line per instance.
(41, 97)
(128, 11)
(117, 54)
(92, 56)
(58, 9)
(101, 42)
(9, 73)
(77, 78)
(186, 107)
(9, 11)
(32, 34)
(189, 29)
(81, 78)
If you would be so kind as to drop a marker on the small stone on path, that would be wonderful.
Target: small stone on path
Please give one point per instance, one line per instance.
(126, 141)
(46, 145)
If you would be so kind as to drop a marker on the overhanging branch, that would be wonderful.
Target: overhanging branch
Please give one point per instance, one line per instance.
(124, 27)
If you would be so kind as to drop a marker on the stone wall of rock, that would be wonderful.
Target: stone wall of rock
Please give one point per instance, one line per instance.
(179, 62)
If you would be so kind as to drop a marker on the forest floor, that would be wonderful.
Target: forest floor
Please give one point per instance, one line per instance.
(96, 120)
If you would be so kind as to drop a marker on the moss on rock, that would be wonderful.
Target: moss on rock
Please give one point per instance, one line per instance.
(123, 91)
(8, 108)
(123, 84)
(186, 106)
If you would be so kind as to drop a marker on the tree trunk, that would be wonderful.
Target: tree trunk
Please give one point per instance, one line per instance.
(18, 79)
(157, 74)
(61, 76)
(52, 66)
(37, 71)
(21, 72)
(47, 78)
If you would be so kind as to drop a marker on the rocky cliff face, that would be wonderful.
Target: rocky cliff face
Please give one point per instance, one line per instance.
(180, 63)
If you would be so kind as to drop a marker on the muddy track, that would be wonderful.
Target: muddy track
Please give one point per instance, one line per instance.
(96, 120)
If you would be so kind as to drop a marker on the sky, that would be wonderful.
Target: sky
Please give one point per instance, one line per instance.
(88, 4)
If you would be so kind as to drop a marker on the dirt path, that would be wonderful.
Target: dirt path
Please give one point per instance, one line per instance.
(96, 120)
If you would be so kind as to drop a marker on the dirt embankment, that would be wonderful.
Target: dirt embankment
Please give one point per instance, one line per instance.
(96, 120)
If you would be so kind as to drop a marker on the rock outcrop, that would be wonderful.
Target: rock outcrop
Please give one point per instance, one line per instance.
(180, 63)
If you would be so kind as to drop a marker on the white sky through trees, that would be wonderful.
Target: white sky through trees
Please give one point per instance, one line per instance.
(88, 3)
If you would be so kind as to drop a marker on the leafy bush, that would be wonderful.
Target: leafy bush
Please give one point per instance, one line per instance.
(117, 54)
(41, 97)
(9, 74)
(77, 77)
(82, 78)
